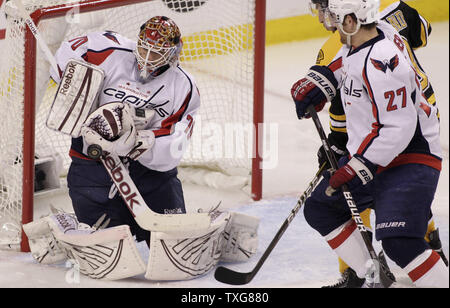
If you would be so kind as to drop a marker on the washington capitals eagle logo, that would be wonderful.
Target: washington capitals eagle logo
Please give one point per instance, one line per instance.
(110, 35)
(384, 65)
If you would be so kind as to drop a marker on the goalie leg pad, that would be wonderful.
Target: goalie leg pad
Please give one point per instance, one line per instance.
(44, 247)
(108, 254)
(111, 255)
(185, 255)
(240, 238)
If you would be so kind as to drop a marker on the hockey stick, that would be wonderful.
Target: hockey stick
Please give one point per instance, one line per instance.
(144, 216)
(232, 277)
(374, 274)
(34, 30)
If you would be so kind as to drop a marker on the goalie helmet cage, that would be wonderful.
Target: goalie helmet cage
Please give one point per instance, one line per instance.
(232, 93)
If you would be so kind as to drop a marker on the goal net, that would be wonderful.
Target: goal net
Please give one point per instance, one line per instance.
(221, 49)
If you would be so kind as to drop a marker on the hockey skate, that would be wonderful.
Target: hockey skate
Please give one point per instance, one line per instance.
(349, 278)
(385, 267)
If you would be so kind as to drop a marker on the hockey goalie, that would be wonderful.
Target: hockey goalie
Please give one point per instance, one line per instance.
(130, 109)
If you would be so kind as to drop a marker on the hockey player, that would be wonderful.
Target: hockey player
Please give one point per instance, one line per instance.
(414, 30)
(393, 143)
(146, 76)
(144, 117)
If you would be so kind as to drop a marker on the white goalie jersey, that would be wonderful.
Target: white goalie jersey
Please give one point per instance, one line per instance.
(173, 95)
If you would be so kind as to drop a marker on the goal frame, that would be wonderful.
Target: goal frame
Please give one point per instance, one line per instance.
(30, 49)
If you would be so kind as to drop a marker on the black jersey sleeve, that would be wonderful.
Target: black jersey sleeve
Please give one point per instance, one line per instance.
(410, 24)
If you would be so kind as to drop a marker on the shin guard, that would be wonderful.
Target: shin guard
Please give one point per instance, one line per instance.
(428, 270)
(349, 245)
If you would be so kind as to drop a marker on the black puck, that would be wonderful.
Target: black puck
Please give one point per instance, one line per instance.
(94, 151)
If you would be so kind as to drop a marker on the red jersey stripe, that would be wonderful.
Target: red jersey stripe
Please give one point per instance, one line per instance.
(423, 268)
(73, 153)
(343, 236)
(167, 125)
(97, 58)
(335, 65)
(376, 126)
(414, 158)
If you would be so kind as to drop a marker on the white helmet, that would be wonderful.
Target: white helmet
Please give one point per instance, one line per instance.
(366, 11)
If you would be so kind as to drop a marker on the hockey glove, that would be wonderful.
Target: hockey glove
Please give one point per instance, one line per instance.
(322, 156)
(318, 87)
(112, 128)
(337, 141)
(145, 139)
(358, 171)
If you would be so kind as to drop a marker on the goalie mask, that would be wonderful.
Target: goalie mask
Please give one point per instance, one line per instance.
(159, 45)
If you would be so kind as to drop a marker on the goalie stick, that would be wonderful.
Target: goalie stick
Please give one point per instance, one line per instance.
(232, 277)
(374, 273)
(144, 216)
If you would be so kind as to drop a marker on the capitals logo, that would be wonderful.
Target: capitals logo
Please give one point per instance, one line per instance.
(111, 35)
(384, 65)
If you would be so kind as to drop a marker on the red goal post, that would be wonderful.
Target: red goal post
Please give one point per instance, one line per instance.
(30, 104)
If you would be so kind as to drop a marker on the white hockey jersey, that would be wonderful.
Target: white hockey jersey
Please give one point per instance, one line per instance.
(389, 121)
(173, 94)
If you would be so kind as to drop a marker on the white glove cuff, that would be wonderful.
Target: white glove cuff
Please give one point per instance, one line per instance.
(361, 170)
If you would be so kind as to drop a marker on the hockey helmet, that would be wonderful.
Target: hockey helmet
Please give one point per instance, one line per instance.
(317, 5)
(365, 11)
(319, 8)
(159, 44)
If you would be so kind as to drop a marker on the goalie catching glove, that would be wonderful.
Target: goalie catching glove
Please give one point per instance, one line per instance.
(318, 87)
(114, 128)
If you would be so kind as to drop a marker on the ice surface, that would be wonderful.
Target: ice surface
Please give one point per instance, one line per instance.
(301, 258)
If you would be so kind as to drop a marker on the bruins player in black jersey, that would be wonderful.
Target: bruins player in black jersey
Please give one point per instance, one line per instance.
(414, 30)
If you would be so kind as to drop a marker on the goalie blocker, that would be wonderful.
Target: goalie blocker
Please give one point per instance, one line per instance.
(111, 253)
(76, 97)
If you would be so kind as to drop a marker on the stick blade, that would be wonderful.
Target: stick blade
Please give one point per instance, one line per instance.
(149, 220)
(228, 276)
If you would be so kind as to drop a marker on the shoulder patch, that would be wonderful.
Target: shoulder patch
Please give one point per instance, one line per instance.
(397, 20)
(320, 57)
(384, 65)
(111, 35)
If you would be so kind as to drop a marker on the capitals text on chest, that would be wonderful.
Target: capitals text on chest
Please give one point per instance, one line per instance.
(138, 98)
